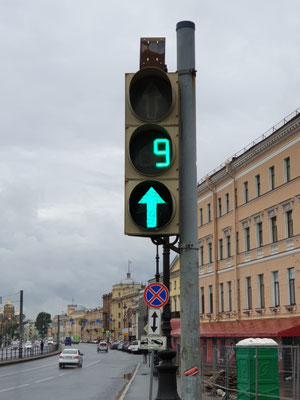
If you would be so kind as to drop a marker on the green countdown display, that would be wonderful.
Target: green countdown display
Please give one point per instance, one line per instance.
(151, 205)
(150, 149)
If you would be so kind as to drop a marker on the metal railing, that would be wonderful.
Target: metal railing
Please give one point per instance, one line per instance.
(8, 353)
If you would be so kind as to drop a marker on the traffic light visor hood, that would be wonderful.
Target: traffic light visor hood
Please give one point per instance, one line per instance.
(151, 95)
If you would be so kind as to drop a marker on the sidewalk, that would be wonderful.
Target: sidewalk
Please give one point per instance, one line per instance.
(139, 386)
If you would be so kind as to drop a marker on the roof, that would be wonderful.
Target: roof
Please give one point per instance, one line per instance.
(273, 327)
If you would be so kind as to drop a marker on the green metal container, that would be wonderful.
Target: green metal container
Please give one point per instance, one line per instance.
(257, 369)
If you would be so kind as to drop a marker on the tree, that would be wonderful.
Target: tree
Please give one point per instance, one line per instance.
(43, 320)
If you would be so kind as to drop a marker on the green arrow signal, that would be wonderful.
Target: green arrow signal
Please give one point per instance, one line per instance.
(151, 198)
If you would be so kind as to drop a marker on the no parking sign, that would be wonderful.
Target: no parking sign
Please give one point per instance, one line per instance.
(156, 295)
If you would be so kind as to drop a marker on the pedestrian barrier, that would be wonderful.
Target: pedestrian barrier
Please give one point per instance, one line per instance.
(9, 354)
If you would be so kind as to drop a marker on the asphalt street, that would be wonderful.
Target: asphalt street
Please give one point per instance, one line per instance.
(101, 377)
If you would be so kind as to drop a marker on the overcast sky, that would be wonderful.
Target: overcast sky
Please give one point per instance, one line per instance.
(62, 126)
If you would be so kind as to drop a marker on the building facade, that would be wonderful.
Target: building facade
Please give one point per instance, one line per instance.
(249, 241)
(124, 302)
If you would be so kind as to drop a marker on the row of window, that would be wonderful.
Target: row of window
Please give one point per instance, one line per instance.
(257, 186)
(225, 293)
(224, 245)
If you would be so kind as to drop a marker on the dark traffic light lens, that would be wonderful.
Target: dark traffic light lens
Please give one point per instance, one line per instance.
(151, 95)
(150, 149)
(151, 205)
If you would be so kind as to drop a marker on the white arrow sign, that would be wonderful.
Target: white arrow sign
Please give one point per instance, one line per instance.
(154, 320)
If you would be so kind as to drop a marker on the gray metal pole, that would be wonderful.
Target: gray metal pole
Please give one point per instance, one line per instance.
(189, 291)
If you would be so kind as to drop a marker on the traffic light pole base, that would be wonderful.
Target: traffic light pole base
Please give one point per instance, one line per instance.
(167, 383)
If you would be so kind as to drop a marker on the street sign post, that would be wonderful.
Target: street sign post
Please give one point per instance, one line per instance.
(156, 295)
(154, 320)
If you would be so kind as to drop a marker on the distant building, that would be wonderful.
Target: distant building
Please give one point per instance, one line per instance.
(123, 305)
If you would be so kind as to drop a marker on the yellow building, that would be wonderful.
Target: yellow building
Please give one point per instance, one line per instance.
(249, 241)
(123, 308)
(175, 287)
(79, 322)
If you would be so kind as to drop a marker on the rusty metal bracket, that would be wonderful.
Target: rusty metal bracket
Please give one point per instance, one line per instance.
(192, 71)
(152, 53)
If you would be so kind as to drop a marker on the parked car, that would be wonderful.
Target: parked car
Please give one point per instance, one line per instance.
(114, 345)
(126, 346)
(15, 345)
(102, 346)
(120, 346)
(68, 341)
(70, 357)
(50, 342)
(135, 347)
(28, 345)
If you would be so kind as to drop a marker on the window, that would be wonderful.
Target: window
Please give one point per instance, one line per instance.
(228, 246)
(237, 243)
(273, 222)
(248, 293)
(119, 325)
(227, 203)
(221, 297)
(272, 178)
(246, 192)
(201, 256)
(220, 249)
(289, 223)
(208, 213)
(202, 300)
(261, 291)
(119, 294)
(259, 234)
(219, 207)
(287, 169)
(291, 286)
(276, 297)
(174, 285)
(209, 252)
(200, 216)
(247, 238)
(229, 296)
(235, 198)
(175, 303)
(211, 298)
(257, 185)
(119, 305)
(119, 315)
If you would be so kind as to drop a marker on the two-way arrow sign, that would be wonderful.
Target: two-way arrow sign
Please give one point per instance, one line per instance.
(154, 320)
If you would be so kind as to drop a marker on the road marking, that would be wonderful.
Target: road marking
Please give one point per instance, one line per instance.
(28, 369)
(88, 365)
(16, 387)
(46, 379)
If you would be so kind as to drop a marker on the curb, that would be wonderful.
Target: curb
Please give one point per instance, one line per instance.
(129, 383)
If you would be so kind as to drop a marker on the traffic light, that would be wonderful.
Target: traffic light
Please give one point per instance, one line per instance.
(152, 153)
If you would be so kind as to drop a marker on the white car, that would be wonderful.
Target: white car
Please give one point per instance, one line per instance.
(28, 345)
(70, 357)
(135, 346)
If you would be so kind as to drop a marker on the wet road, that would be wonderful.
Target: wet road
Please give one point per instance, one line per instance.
(100, 378)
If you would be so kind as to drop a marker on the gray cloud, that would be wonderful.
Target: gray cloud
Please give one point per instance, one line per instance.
(62, 126)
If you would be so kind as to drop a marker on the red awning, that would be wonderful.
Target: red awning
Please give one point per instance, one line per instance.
(273, 327)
